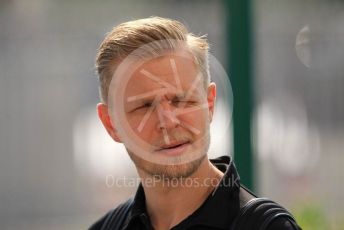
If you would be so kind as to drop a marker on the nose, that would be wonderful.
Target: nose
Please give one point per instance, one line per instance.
(167, 116)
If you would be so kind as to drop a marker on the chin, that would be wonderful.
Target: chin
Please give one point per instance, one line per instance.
(168, 171)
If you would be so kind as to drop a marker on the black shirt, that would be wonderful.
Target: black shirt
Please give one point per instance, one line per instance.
(216, 213)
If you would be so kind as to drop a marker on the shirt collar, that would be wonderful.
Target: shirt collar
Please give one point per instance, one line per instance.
(218, 210)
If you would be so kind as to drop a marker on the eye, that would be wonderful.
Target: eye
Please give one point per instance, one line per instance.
(182, 101)
(178, 99)
(145, 105)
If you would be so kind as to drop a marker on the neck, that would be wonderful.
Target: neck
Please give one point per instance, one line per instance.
(169, 202)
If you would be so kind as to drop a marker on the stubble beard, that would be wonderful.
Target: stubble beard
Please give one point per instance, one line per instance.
(175, 170)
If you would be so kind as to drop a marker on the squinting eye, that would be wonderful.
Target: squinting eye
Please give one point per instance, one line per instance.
(146, 105)
(184, 102)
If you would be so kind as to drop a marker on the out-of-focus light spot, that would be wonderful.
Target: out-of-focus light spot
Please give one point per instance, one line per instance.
(220, 131)
(283, 134)
(95, 152)
(302, 46)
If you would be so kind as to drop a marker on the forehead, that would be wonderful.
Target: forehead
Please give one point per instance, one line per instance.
(169, 69)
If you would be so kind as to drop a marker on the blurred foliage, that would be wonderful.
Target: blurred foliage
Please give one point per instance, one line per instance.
(311, 216)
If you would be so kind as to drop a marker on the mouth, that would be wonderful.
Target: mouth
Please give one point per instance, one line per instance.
(175, 148)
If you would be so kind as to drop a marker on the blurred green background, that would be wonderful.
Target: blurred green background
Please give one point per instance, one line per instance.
(56, 159)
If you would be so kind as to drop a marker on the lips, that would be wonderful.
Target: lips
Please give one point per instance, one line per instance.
(173, 145)
(174, 148)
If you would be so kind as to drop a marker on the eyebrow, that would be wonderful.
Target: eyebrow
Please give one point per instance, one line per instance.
(153, 94)
(145, 95)
(149, 97)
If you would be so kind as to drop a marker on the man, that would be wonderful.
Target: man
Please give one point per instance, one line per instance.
(157, 99)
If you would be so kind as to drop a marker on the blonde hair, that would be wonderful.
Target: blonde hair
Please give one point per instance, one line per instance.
(127, 37)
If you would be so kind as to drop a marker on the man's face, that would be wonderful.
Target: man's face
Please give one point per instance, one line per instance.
(166, 107)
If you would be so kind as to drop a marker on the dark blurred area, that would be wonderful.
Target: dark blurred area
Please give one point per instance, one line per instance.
(56, 159)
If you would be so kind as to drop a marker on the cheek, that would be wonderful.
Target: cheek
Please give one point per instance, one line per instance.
(143, 128)
(197, 119)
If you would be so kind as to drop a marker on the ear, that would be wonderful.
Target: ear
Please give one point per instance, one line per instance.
(103, 114)
(211, 99)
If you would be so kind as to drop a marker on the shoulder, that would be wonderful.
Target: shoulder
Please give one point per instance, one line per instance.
(119, 212)
(282, 224)
(263, 212)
